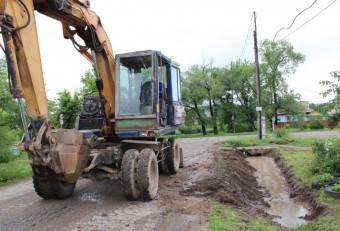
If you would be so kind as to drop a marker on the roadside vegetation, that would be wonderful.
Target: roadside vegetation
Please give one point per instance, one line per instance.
(13, 167)
(323, 157)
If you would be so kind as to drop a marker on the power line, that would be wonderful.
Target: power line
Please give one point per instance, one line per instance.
(294, 19)
(247, 38)
(312, 18)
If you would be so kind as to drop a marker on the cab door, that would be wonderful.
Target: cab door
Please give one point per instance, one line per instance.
(177, 105)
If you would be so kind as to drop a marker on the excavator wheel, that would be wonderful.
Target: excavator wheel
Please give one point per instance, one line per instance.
(129, 181)
(147, 174)
(48, 189)
(42, 187)
(173, 157)
(61, 190)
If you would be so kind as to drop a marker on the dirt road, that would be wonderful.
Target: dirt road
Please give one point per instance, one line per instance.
(101, 206)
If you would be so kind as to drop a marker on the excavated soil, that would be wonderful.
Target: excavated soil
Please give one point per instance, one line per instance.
(232, 182)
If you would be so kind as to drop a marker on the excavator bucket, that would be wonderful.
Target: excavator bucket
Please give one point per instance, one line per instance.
(69, 154)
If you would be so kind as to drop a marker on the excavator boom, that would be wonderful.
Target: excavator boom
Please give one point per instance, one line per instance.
(18, 27)
(62, 153)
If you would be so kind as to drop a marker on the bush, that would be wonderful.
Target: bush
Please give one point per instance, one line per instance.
(327, 155)
(243, 127)
(334, 120)
(287, 126)
(303, 126)
(324, 177)
(6, 156)
(184, 129)
(336, 187)
(316, 125)
(281, 133)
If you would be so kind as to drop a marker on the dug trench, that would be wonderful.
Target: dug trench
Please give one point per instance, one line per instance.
(233, 182)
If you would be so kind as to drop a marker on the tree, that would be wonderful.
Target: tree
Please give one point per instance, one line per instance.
(88, 81)
(243, 85)
(69, 106)
(10, 121)
(53, 112)
(333, 89)
(203, 80)
(193, 97)
(279, 61)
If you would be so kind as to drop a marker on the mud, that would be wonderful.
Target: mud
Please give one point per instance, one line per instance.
(232, 182)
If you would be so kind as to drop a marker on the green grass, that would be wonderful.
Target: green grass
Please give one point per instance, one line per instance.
(302, 161)
(254, 141)
(15, 170)
(224, 218)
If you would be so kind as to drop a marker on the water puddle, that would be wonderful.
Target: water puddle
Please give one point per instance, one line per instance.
(288, 212)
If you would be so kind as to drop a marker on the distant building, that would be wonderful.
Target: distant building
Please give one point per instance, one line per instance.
(284, 119)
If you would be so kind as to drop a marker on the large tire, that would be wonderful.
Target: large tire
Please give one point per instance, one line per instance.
(129, 179)
(42, 187)
(62, 190)
(173, 157)
(147, 174)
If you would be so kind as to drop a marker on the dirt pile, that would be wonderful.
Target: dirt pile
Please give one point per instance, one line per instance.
(232, 181)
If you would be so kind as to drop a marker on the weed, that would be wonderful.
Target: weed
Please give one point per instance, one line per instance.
(6, 156)
(328, 155)
(324, 177)
(281, 133)
(316, 125)
(336, 187)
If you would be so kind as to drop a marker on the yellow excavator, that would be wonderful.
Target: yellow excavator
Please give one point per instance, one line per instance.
(118, 134)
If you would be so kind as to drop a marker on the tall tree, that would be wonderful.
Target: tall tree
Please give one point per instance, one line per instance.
(279, 61)
(204, 78)
(243, 85)
(333, 89)
(193, 96)
(69, 106)
(88, 81)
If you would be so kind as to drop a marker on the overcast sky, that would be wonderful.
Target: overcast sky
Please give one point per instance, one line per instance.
(191, 30)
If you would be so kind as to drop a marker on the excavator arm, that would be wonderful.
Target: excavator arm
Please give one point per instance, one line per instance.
(64, 152)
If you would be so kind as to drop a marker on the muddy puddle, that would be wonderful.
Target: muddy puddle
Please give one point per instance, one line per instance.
(288, 212)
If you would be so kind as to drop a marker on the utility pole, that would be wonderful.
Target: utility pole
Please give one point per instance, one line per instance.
(258, 83)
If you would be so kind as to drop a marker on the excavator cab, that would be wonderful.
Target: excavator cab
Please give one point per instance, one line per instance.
(148, 98)
(148, 95)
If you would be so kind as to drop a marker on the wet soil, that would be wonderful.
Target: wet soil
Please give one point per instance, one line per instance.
(181, 204)
(231, 182)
